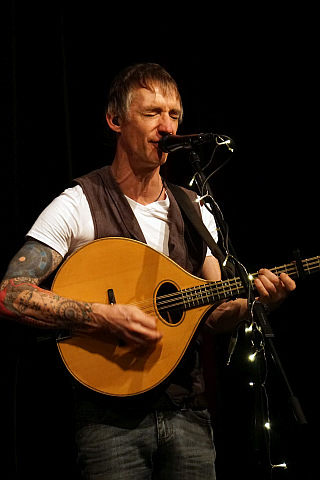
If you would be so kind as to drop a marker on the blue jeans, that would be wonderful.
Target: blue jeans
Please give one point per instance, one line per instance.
(159, 445)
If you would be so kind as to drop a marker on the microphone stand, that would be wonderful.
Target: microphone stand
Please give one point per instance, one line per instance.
(262, 447)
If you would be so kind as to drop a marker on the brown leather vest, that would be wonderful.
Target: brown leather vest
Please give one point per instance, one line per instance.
(113, 217)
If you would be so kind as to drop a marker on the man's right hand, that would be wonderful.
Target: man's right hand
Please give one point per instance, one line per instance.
(126, 322)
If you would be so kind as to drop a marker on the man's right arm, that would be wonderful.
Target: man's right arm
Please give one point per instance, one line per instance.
(22, 299)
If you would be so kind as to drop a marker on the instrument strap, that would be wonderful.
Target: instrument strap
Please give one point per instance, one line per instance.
(188, 208)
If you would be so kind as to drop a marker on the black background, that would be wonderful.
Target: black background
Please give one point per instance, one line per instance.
(249, 73)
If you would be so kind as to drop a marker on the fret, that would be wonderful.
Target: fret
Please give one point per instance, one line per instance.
(187, 299)
(311, 264)
(289, 272)
(239, 286)
(208, 293)
(306, 266)
(198, 297)
(193, 297)
(215, 291)
(222, 291)
(228, 291)
(286, 269)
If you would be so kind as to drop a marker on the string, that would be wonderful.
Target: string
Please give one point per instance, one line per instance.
(214, 291)
(221, 289)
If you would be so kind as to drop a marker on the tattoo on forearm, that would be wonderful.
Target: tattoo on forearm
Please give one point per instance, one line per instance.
(22, 298)
(44, 308)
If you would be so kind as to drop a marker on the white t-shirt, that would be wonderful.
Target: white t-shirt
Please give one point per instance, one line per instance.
(66, 224)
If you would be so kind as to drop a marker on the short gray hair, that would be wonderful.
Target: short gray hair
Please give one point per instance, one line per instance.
(141, 75)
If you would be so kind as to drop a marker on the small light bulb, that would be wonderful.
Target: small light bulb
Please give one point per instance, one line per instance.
(248, 329)
(252, 357)
(280, 465)
(250, 277)
(251, 384)
(267, 425)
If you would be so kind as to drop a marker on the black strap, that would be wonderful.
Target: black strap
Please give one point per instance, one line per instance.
(188, 208)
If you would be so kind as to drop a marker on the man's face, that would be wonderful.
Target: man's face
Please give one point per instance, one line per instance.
(152, 114)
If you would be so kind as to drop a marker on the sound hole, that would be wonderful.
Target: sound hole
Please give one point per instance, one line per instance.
(169, 303)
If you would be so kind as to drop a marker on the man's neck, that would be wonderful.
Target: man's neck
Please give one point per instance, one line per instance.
(143, 186)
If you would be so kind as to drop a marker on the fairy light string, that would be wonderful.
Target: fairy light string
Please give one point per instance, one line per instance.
(211, 292)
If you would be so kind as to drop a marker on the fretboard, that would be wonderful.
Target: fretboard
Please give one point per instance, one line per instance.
(212, 292)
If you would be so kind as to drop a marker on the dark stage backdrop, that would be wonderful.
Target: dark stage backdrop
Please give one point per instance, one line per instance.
(248, 74)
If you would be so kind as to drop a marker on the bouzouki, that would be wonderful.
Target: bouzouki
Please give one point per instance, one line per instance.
(126, 271)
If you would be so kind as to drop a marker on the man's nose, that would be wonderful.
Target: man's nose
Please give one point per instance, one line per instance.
(166, 125)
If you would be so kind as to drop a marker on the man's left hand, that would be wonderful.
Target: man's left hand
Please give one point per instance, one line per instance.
(273, 290)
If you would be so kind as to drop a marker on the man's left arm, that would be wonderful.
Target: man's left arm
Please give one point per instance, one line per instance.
(272, 291)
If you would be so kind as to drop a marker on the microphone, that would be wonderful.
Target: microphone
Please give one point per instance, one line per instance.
(171, 143)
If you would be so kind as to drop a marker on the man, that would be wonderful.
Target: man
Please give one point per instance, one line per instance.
(165, 434)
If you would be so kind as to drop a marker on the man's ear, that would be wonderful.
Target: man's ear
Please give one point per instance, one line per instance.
(113, 122)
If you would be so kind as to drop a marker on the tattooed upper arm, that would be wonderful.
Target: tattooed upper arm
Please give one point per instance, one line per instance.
(23, 300)
(34, 262)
